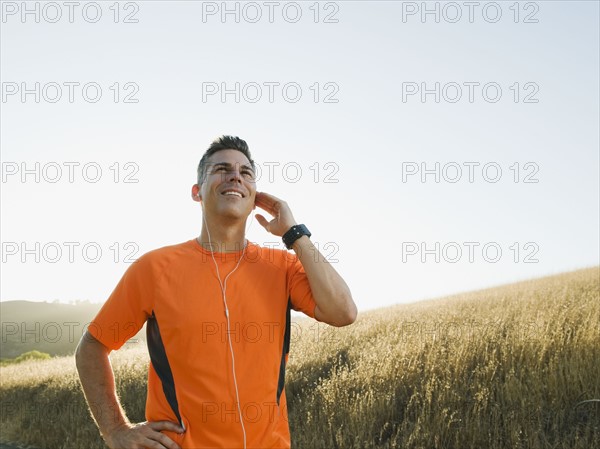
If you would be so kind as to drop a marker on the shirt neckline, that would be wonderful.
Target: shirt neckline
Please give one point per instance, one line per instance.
(250, 246)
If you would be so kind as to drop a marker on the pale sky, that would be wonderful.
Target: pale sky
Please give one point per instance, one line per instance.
(343, 105)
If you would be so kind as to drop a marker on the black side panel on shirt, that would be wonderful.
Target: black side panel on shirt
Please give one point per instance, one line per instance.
(285, 350)
(158, 357)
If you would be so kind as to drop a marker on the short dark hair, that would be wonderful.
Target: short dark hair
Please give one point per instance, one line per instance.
(223, 143)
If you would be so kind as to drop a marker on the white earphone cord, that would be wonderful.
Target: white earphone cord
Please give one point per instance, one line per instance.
(223, 285)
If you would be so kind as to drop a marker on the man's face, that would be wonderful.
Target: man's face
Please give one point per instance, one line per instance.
(229, 186)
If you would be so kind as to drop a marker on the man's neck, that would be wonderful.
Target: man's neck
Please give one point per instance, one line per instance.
(223, 238)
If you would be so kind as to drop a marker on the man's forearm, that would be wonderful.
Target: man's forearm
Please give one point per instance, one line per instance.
(98, 382)
(335, 305)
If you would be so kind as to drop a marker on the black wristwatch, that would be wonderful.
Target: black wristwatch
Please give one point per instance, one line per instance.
(293, 234)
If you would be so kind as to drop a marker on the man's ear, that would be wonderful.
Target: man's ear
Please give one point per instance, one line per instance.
(196, 193)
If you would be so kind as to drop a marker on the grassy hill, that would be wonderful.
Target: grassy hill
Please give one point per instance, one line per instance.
(515, 366)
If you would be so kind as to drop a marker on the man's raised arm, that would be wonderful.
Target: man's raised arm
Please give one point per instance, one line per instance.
(335, 305)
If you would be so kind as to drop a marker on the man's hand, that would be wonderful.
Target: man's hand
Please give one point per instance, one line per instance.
(144, 435)
(279, 209)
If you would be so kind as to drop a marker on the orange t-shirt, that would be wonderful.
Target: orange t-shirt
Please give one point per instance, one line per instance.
(190, 381)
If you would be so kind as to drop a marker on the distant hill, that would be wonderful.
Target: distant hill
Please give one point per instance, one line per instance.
(53, 328)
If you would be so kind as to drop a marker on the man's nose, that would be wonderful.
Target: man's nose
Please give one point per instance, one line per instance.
(235, 175)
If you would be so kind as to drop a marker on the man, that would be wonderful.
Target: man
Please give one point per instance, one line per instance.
(217, 310)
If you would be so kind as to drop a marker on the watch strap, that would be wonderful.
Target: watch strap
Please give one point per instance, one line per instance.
(293, 234)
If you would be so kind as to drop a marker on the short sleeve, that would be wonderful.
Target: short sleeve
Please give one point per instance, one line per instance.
(128, 307)
(299, 287)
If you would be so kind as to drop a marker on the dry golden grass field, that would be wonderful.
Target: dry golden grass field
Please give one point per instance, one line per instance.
(516, 366)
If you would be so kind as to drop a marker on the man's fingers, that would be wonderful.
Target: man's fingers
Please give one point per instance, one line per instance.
(165, 425)
(263, 221)
(147, 434)
(152, 444)
(267, 197)
(266, 201)
(159, 440)
(264, 205)
(165, 441)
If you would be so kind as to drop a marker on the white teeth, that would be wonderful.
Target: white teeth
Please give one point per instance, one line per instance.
(233, 193)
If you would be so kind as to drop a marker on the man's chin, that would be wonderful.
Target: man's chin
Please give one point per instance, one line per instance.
(234, 213)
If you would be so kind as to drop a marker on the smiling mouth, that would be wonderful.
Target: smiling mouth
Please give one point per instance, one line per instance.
(232, 193)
